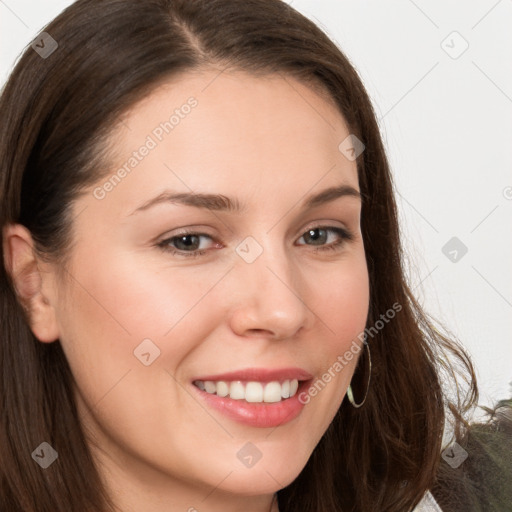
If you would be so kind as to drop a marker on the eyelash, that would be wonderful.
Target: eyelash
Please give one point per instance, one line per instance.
(344, 234)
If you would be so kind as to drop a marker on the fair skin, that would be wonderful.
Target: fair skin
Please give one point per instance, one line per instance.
(269, 146)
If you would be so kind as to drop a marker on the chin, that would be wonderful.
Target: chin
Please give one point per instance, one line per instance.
(266, 476)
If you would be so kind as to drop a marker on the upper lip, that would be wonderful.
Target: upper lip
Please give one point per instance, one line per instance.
(259, 375)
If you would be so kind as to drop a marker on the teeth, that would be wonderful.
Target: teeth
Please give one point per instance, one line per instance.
(210, 386)
(237, 391)
(254, 392)
(294, 385)
(222, 389)
(272, 392)
(285, 389)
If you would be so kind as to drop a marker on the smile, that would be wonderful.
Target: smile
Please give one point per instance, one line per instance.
(251, 391)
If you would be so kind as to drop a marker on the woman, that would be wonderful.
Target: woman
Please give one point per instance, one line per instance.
(201, 260)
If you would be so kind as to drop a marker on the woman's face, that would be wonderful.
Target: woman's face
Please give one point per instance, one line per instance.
(242, 273)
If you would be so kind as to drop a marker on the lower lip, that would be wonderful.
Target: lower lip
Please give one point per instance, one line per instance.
(262, 415)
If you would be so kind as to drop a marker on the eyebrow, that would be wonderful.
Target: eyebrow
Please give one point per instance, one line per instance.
(219, 202)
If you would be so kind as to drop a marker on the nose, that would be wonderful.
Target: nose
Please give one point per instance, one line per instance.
(270, 299)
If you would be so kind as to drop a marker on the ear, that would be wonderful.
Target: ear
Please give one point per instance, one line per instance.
(34, 283)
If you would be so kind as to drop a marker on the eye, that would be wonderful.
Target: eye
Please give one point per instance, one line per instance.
(326, 237)
(186, 244)
(191, 244)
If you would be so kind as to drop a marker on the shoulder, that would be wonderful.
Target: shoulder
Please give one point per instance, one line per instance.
(482, 481)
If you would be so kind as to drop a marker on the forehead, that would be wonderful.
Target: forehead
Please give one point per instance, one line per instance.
(211, 128)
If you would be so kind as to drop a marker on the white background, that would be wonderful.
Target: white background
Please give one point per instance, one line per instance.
(447, 125)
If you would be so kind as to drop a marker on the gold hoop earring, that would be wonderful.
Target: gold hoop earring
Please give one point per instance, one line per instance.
(350, 395)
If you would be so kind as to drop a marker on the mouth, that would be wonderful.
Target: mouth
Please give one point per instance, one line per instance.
(251, 391)
(254, 397)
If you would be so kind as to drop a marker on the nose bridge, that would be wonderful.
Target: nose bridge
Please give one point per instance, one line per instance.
(269, 287)
(268, 261)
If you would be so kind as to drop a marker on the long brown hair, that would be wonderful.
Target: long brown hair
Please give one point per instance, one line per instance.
(56, 114)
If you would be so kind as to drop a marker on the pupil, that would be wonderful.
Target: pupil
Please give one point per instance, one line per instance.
(314, 235)
(187, 241)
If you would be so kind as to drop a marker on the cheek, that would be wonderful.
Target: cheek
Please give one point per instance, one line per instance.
(119, 301)
(114, 305)
(341, 301)
(129, 297)
(341, 298)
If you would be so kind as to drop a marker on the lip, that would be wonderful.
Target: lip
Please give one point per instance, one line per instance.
(259, 375)
(259, 415)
